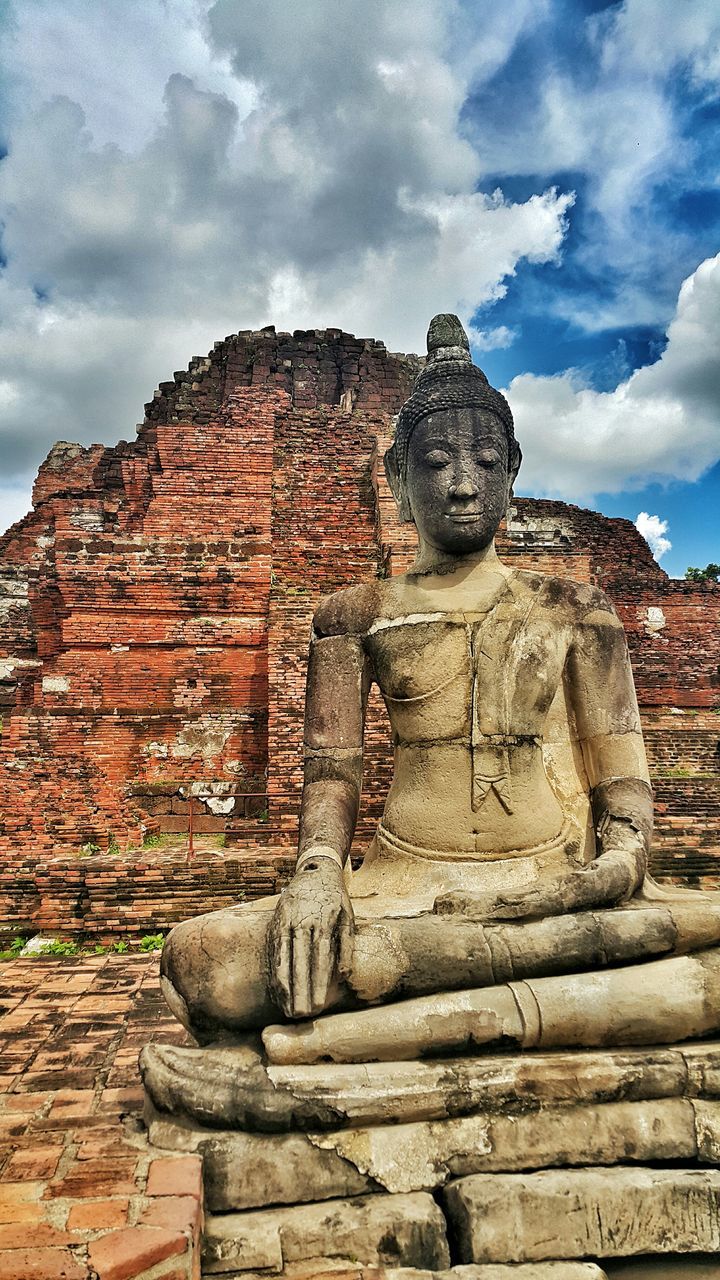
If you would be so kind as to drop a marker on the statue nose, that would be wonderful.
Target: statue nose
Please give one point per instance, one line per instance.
(464, 489)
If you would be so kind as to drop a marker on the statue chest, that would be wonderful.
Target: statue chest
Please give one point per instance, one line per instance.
(440, 674)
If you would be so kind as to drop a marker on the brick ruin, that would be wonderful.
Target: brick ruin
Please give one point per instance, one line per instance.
(154, 614)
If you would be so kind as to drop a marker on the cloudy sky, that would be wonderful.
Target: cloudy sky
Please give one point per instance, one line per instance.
(175, 170)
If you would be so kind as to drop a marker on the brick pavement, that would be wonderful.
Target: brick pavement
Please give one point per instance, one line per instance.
(82, 1194)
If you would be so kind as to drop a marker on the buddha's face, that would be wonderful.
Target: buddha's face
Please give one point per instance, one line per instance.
(457, 481)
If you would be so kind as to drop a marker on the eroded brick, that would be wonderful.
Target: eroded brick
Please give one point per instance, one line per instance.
(120, 1255)
(179, 1176)
(100, 1215)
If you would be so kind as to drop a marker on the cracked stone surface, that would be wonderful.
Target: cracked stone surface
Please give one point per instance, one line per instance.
(260, 1097)
(244, 1171)
(383, 1230)
(580, 1213)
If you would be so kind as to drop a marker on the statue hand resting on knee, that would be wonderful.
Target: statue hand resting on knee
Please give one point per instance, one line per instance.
(310, 937)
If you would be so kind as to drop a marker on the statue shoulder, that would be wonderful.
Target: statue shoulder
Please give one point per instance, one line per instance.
(577, 601)
(348, 612)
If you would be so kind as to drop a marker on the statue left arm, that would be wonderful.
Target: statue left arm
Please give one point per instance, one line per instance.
(602, 694)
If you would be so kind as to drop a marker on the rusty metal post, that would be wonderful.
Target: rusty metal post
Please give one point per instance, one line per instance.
(191, 849)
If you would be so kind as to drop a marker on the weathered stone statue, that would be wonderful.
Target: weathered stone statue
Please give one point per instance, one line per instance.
(504, 902)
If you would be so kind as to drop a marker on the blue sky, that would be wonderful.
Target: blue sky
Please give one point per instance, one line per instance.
(676, 213)
(175, 170)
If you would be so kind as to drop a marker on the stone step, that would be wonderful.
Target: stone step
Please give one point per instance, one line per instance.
(244, 1171)
(497, 1271)
(336, 1096)
(531, 1271)
(584, 1213)
(382, 1230)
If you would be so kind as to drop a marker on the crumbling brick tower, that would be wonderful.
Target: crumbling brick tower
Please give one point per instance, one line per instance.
(154, 613)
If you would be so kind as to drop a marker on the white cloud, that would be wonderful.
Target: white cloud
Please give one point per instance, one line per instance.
(613, 114)
(481, 49)
(657, 35)
(232, 166)
(179, 169)
(661, 423)
(113, 58)
(498, 338)
(653, 530)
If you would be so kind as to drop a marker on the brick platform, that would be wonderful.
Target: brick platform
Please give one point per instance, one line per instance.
(82, 1194)
(109, 898)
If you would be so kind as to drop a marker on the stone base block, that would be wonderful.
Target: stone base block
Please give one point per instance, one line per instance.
(232, 1088)
(404, 1230)
(698, 1267)
(584, 1213)
(253, 1171)
(529, 1271)
(524, 1271)
(350, 1199)
(248, 1170)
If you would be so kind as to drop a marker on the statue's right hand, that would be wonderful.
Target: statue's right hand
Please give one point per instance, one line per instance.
(310, 938)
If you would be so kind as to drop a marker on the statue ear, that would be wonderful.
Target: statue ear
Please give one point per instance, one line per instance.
(394, 479)
(513, 468)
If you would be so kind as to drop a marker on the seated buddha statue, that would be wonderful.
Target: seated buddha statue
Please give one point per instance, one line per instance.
(510, 853)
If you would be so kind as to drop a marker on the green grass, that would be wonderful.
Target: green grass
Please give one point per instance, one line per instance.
(67, 947)
(11, 952)
(152, 942)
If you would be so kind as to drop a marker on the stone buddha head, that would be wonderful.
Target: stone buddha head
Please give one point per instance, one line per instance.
(454, 459)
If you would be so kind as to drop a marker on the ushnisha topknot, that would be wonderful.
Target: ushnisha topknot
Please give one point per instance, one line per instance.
(449, 380)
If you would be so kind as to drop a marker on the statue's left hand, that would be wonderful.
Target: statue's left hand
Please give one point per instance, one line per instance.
(310, 939)
(614, 876)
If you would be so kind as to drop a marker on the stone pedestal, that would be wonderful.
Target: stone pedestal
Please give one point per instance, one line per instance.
(557, 1166)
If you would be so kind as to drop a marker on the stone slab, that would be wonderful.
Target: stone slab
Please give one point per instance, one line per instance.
(425, 1156)
(335, 1096)
(581, 1213)
(499, 1271)
(250, 1170)
(396, 1230)
(697, 1267)
(339, 1270)
(679, 1267)
(245, 1171)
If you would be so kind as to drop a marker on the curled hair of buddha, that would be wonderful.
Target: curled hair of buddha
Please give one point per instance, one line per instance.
(449, 380)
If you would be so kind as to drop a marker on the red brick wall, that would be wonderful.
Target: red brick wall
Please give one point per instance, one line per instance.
(324, 538)
(151, 622)
(327, 367)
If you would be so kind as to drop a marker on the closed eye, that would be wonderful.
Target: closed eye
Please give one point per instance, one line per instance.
(438, 458)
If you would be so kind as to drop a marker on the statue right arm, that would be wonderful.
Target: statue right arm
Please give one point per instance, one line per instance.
(311, 933)
(337, 688)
